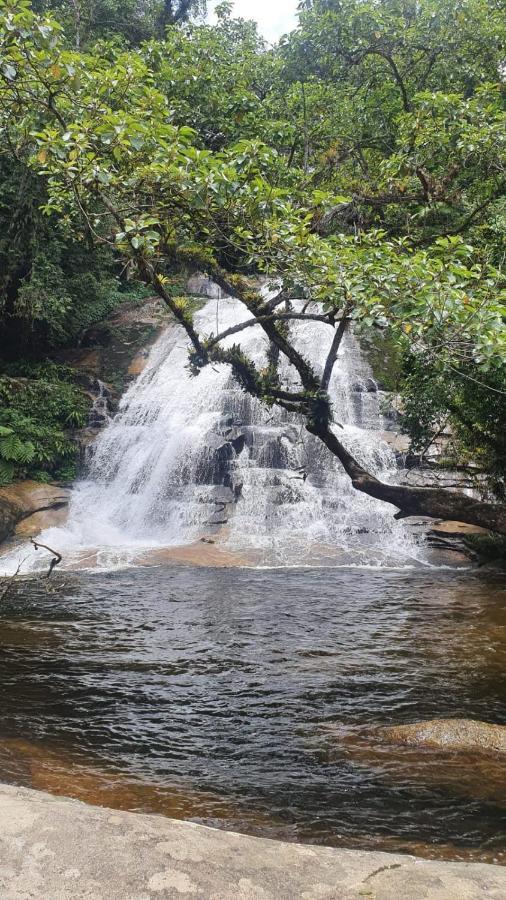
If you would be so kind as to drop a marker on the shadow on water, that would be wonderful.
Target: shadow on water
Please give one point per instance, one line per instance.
(240, 698)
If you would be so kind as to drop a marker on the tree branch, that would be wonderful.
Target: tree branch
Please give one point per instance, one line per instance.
(334, 350)
(435, 503)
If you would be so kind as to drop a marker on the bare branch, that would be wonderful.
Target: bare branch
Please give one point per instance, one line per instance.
(334, 350)
(57, 557)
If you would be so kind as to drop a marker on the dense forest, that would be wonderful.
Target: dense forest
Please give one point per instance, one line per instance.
(360, 164)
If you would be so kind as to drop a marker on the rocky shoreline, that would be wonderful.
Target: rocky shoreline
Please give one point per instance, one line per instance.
(66, 850)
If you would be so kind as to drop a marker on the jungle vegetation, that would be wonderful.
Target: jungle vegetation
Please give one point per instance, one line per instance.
(359, 164)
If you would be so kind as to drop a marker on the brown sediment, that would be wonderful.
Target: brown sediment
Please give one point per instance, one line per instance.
(437, 851)
(473, 772)
(67, 775)
(16, 634)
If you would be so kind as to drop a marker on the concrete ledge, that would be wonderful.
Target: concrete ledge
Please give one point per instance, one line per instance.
(59, 849)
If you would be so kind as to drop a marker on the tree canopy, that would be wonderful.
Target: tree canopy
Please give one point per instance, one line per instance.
(360, 166)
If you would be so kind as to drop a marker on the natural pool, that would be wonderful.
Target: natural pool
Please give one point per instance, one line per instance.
(223, 695)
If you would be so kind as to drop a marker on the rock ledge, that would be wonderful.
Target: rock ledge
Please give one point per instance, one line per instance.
(65, 850)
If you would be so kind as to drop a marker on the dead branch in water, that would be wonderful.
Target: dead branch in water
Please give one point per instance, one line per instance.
(57, 557)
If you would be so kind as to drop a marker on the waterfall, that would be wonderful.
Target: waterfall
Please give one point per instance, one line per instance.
(191, 457)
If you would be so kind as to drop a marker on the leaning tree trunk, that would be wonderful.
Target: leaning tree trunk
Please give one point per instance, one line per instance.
(314, 403)
(437, 503)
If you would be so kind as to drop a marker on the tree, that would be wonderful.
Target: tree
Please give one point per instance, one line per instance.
(101, 133)
(132, 21)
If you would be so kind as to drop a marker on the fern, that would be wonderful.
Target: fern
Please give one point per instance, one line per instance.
(15, 450)
(38, 403)
(6, 471)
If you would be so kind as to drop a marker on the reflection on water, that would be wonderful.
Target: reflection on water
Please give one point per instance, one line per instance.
(229, 697)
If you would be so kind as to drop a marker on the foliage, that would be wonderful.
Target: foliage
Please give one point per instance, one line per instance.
(361, 165)
(490, 548)
(129, 21)
(38, 406)
(470, 405)
(52, 285)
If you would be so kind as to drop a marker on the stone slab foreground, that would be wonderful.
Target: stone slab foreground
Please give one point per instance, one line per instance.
(59, 849)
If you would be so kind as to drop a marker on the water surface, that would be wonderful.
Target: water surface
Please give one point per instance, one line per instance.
(233, 697)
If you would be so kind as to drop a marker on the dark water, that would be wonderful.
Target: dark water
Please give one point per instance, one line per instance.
(239, 697)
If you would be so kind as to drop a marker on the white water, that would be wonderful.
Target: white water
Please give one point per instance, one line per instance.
(155, 479)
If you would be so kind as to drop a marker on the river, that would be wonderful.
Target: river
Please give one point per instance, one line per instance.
(234, 696)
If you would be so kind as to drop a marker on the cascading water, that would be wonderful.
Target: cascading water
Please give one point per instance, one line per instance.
(187, 457)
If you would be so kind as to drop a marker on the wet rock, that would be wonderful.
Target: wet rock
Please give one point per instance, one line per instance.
(461, 757)
(20, 501)
(285, 494)
(138, 363)
(219, 493)
(227, 422)
(39, 521)
(449, 734)
(9, 515)
(203, 286)
(273, 454)
(398, 442)
(215, 441)
(238, 440)
(218, 518)
(457, 528)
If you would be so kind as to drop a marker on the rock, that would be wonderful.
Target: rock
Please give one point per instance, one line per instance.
(203, 286)
(218, 518)
(274, 454)
(449, 734)
(9, 515)
(219, 494)
(461, 757)
(33, 496)
(398, 442)
(138, 363)
(238, 441)
(21, 500)
(39, 521)
(63, 849)
(457, 528)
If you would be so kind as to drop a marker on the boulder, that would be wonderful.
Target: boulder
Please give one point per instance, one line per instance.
(461, 757)
(449, 734)
(39, 521)
(20, 501)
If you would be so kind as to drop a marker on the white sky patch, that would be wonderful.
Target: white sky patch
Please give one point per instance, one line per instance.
(274, 17)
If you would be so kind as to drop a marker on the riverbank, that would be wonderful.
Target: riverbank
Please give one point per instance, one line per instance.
(65, 850)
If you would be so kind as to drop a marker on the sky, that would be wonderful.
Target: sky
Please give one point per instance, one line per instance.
(275, 17)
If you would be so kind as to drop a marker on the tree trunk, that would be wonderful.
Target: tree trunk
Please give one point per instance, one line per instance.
(437, 503)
